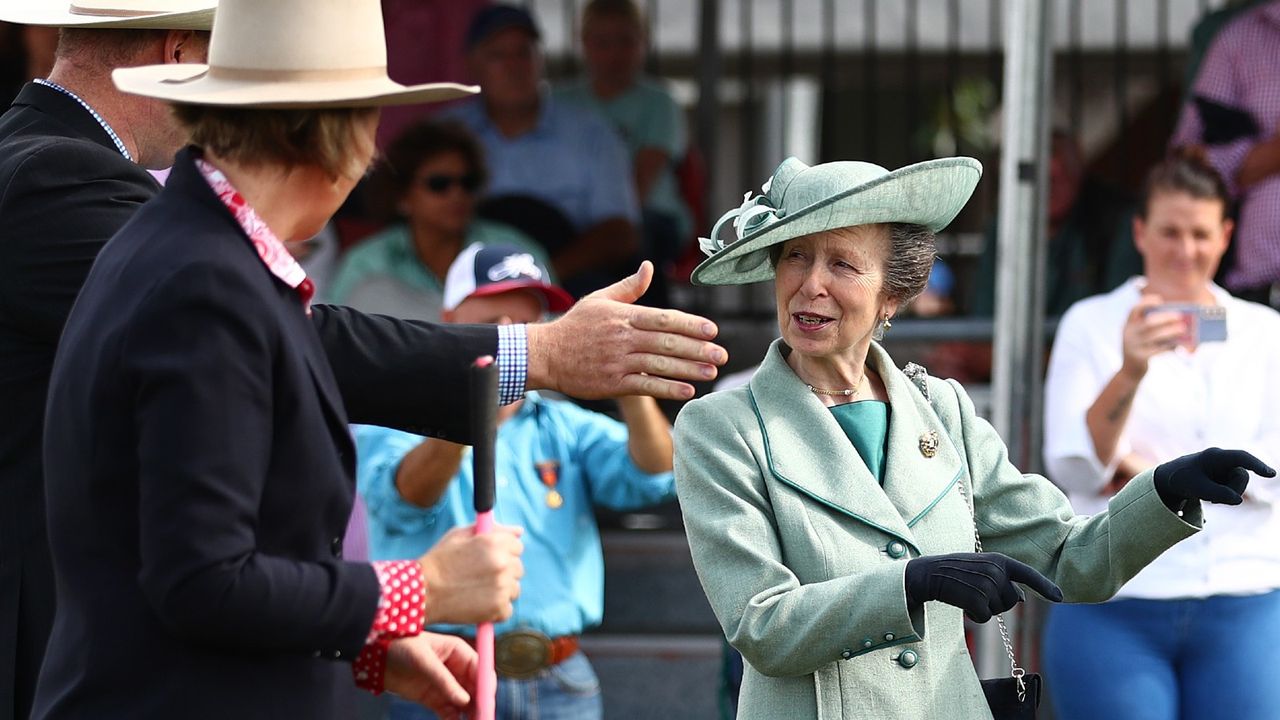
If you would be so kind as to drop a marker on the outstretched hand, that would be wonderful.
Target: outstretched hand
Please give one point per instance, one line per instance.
(980, 584)
(1215, 475)
(436, 671)
(606, 346)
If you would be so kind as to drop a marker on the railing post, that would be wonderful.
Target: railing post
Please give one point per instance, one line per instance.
(1021, 241)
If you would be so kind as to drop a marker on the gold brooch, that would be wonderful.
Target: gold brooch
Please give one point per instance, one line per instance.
(929, 444)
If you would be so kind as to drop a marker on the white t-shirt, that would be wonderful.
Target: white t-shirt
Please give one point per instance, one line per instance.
(1225, 394)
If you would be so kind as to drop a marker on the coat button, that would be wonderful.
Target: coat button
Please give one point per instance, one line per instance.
(846, 654)
(335, 545)
(895, 549)
(908, 658)
(888, 637)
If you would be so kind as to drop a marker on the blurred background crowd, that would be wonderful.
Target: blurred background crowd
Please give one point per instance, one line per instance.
(610, 131)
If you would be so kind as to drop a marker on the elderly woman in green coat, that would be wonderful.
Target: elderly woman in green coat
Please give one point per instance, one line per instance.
(827, 501)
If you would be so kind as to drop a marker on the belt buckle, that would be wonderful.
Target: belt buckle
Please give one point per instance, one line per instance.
(521, 654)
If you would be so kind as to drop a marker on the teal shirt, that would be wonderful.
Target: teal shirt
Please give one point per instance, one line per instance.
(384, 275)
(867, 425)
(646, 116)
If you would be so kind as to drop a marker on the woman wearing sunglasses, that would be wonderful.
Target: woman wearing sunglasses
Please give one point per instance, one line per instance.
(433, 173)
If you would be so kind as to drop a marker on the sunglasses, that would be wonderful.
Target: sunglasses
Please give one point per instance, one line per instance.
(440, 184)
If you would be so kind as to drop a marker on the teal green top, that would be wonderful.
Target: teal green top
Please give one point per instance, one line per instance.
(646, 116)
(867, 425)
(383, 274)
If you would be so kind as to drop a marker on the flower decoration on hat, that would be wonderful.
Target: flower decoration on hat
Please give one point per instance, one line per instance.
(755, 213)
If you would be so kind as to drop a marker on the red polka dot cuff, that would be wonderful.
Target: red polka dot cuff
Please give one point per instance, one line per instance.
(401, 613)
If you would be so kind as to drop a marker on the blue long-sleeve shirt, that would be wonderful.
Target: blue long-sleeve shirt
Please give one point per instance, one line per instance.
(562, 592)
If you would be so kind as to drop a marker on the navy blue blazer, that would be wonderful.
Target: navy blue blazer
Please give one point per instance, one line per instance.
(200, 474)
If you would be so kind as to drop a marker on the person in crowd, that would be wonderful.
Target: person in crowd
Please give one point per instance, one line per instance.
(72, 157)
(832, 503)
(1090, 249)
(568, 162)
(556, 463)
(411, 60)
(1233, 112)
(614, 42)
(1137, 378)
(434, 172)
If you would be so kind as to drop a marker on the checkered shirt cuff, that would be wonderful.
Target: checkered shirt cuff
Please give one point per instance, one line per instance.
(513, 363)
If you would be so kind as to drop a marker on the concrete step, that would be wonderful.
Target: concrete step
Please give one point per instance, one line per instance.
(651, 587)
(657, 677)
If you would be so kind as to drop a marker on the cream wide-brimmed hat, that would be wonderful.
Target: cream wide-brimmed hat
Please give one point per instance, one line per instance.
(801, 200)
(121, 14)
(288, 54)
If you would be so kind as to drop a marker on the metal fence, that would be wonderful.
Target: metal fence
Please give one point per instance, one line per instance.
(895, 82)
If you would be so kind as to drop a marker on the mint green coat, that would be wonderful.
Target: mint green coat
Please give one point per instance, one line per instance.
(802, 553)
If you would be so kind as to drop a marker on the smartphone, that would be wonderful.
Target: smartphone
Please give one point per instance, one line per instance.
(1205, 323)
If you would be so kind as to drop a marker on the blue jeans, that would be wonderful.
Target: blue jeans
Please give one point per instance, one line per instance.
(1214, 657)
(568, 691)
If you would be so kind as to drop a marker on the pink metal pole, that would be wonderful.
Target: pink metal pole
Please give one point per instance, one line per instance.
(484, 415)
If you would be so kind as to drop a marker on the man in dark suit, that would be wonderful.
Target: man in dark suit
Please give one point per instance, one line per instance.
(72, 157)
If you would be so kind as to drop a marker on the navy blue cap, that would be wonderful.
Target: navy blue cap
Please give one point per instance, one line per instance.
(493, 18)
(492, 269)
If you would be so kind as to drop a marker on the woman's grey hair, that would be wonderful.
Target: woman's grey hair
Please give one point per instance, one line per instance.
(911, 253)
(906, 270)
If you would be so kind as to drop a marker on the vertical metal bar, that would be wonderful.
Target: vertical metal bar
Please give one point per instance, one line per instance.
(748, 79)
(1077, 69)
(570, 10)
(652, 59)
(1019, 338)
(1162, 42)
(787, 23)
(1121, 77)
(869, 78)
(750, 141)
(710, 60)
(829, 81)
(912, 50)
(953, 71)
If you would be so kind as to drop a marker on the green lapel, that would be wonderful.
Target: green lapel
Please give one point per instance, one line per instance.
(914, 482)
(807, 450)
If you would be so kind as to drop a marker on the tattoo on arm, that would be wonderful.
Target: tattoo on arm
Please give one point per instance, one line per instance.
(1121, 406)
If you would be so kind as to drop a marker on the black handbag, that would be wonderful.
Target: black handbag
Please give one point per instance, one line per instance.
(1013, 698)
(1010, 698)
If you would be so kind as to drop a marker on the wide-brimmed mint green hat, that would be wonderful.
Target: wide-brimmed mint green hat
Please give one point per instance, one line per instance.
(801, 200)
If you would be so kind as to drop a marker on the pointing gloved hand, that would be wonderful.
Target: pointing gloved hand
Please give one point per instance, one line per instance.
(1216, 475)
(981, 584)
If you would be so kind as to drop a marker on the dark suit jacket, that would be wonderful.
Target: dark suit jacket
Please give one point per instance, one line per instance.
(64, 189)
(53, 157)
(200, 475)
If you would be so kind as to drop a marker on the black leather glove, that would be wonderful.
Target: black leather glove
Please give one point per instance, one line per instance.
(981, 584)
(1216, 475)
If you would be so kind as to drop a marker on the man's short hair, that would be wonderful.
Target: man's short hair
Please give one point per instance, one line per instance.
(256, 137)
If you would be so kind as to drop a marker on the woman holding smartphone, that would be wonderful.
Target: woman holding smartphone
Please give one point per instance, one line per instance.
(1133, 383)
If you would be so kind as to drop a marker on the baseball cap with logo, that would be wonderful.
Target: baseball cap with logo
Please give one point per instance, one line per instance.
(491, 269)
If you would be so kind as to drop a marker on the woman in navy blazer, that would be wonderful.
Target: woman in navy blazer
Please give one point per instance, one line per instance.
(199, 466)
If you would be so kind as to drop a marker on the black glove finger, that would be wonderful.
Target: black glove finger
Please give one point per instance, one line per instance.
(1010, 595)
(978, 614)
(1219, 459)
(1237, 478)
(1029, 576)
(1215, 493)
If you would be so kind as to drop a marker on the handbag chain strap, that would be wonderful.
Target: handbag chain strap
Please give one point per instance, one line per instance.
(920, 377)
(1014, 669)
